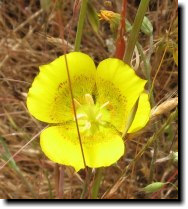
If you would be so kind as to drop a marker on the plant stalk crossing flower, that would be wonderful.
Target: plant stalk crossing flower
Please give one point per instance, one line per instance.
(103, 97)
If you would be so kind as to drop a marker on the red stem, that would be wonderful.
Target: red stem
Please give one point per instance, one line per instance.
(169, 180)
(120, 43)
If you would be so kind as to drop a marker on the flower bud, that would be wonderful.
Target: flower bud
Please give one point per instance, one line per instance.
(174, 157)
(111, 17)
(154, 187)
(147, 27)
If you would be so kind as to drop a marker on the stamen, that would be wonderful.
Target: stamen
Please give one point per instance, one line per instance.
(104, 105)
(99, 116)
(90, 116)
(79, 116)
(87, 126)
(89, 99)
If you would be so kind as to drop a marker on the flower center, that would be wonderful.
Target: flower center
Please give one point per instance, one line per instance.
(90, 115)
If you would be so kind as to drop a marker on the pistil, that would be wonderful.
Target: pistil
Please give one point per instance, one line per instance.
(90, 115)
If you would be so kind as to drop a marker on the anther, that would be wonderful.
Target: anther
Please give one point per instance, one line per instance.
(99, 116)
(104, 105)
(79, 116)
(87, 126)
(89, 99)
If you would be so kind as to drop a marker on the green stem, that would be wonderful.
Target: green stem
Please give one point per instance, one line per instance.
(84, 190)
(82, 16)
(96, 183)
(152, 164)
(151, 140)
(172, 185)
(135, 30)
(49, 184)
(147, 68)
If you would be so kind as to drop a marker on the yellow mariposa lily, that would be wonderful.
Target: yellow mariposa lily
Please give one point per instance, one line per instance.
(104, 98)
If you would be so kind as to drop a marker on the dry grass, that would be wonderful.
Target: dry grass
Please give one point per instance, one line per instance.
(29, 37)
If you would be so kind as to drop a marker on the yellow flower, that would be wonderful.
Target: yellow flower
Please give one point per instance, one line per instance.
(104, 98)
(109, 16)
(112, 18)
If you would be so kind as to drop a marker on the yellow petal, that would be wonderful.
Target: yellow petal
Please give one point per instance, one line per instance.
(61, 145)
(142, 114)
(118, 84)
(49, 96)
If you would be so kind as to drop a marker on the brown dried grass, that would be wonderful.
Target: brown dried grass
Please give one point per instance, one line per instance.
(29, 37)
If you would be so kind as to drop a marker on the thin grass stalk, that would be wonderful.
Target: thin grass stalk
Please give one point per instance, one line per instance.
(15, 167)
(74, 111)
(152, 85)
(71, 92)
(152, 166)
(49, 184)
(132, 172)
(56, 178)
(86, 188)
(147, 68)
(81, 20)
(23, 147)
(133, 38)
(168, 181)
(151, 140)
(61, 181)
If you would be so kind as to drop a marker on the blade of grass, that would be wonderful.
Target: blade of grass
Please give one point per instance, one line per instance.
(46, 174)
(135, 30)
(80, 28)
(12, 164)
(61, 181)
(82, 15)
(15, 154)
(81, 20)
(93, 17)
(147, 68)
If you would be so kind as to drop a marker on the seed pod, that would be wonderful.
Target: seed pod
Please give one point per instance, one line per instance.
(147, 27)
(165, 107)
(174, 157)
(154, 187)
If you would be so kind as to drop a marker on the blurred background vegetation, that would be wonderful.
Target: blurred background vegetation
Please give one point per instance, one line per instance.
(30, 35)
